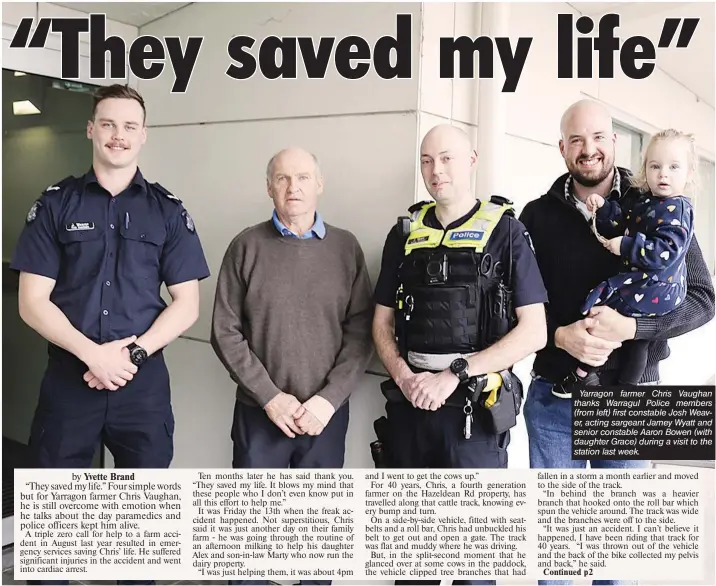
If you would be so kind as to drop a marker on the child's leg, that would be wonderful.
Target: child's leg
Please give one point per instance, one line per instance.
(634, 353)
(596, 296)
(634, 357)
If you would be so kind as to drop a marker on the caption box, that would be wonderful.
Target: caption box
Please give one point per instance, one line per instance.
(643, 423)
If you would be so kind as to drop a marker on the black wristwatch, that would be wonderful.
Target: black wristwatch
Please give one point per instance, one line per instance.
(137, 354)
(459, 368)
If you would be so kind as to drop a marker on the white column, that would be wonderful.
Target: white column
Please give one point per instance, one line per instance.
(491, 109)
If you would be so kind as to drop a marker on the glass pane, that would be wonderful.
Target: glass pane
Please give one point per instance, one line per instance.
(624, 148)
(704, 211)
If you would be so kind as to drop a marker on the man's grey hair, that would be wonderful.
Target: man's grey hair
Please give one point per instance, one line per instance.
(272, 160)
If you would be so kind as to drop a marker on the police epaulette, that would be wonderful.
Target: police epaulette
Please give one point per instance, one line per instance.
(59, 186)
(164, 191)
(500, 200)
(417, 206)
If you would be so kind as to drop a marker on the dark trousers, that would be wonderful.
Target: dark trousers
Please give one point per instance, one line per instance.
(435, 439)
(634, 355)
(259, 443)
(136, 422)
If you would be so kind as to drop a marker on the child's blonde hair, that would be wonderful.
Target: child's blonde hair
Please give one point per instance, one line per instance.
(639, 180)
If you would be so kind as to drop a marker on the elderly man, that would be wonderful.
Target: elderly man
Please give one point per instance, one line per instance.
(291, 324)
(438, 290)
(572, 261)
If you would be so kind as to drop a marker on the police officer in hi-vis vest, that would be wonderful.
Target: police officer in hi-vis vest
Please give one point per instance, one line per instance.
(460, 300)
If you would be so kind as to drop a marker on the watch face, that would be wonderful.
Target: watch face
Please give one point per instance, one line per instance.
(458, 365)
(139, 355)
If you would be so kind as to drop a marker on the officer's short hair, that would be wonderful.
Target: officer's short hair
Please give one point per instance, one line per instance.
(269, 167)
(117, 91)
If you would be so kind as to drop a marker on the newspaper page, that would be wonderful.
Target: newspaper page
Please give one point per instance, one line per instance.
(359, 85)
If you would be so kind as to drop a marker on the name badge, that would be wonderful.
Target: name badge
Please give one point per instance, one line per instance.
(75, 226)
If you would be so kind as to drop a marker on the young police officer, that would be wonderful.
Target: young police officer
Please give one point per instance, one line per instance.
(446, 278)
(92, 257)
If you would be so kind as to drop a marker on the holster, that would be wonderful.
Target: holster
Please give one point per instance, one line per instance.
(391, 391)
(380, 449)
(505, 409)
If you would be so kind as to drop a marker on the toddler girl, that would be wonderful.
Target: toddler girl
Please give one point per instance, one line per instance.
(651, 239)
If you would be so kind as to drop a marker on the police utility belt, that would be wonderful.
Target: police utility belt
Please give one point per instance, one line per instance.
(499, 394)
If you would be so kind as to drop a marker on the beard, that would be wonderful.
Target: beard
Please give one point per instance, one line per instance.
(593, 178)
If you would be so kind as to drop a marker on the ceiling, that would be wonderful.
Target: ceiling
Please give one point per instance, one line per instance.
(692, 67)
(134, 13)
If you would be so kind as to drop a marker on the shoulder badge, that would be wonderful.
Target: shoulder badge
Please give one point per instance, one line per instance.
(32, 214)
(500, 200)
(57, 187)
(503, 201)
(418, 206)
(188, 222)
(165, 192)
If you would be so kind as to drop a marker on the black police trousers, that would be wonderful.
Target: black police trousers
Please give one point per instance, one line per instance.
(135, 422)
(435, 439)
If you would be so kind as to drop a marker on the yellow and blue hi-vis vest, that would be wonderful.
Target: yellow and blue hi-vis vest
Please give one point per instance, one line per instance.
(452, 295)
(472, 234)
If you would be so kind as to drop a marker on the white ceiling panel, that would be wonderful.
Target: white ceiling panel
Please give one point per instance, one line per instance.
(134, 13)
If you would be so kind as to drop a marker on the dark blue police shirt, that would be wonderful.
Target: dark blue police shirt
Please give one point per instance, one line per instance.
(109, 255)
(527, 284)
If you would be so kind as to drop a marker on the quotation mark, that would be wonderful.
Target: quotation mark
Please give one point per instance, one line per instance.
(671, 25)
(22, 34)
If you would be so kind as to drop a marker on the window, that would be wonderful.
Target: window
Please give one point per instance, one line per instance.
(704, 211)
(628, 148)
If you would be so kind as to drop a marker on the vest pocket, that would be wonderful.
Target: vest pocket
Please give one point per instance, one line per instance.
(444, 319)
